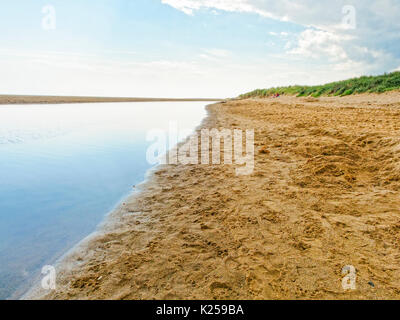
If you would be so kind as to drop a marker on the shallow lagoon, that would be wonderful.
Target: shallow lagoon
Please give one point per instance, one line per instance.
(63, 168)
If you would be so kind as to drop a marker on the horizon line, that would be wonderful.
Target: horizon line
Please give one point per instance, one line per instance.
(9, 99)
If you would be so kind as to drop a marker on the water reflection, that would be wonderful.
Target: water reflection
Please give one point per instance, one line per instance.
(63, 167)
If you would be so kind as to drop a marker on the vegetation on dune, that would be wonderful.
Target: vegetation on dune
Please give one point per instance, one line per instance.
(377, 84)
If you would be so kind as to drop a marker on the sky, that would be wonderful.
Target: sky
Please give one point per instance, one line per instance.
(191, 48)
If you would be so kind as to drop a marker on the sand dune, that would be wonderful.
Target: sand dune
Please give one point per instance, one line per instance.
(325, 193)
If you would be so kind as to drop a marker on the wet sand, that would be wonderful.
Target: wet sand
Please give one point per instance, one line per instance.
(16, 99)
(325, 193)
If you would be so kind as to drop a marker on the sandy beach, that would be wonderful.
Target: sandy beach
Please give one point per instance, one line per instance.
(325, 193)
(26, 99)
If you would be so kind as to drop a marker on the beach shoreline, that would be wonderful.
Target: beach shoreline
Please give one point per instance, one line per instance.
(324, 195)
(110, 221)
(29, 99)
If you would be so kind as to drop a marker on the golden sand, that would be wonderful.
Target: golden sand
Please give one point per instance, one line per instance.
(325, 193)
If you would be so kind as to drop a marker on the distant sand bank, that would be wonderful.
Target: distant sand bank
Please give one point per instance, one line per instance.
(15, 99)
(325, 193)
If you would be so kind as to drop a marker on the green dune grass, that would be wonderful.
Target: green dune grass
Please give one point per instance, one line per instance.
(377, 84)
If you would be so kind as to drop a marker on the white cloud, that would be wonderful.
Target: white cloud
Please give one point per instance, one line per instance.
(377, 27)
(321, 14)
(214, 54)
(189, 6)
(319, 43)
(276, 34)
(219, 53)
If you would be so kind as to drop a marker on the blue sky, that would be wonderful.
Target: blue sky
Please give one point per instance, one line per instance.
(191, 48)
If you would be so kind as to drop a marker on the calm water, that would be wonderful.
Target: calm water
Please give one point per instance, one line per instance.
(63, 168)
